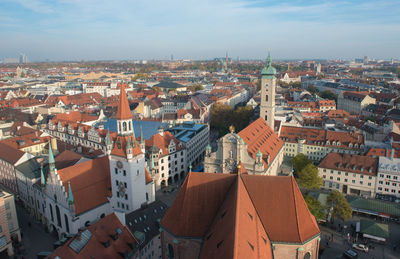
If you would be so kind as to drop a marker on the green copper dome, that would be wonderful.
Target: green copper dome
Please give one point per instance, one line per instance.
(268, 70)
(259, 154)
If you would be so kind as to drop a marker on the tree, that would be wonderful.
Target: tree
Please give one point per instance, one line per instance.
(299, 162)
(296, 84)
(157, 89)
(312, 89)
(308, 177)
(315, 207)
(329, 95)
(338, 206)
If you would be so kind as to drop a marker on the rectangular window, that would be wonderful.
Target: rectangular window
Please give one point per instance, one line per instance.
(361, 182)
(116, 182)
(125, 185)
(116, 170)
(124, 173)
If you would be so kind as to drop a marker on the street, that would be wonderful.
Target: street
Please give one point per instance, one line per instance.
(34, 237)
(335, 248)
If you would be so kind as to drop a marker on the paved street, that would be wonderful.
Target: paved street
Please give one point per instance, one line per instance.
(34, 238)
(340, 244)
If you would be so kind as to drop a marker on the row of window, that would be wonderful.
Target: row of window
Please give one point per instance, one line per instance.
(346, 180)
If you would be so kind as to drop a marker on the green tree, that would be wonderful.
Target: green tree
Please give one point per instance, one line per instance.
(338, 206)
(329, 95)
(296, 84)
(308, 177)
(315, 207)
(299, 162)
(312, 89)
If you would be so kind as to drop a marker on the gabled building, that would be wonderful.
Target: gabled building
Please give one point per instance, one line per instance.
(167, 158)
(349, 174)
(354, 102)
(106, 238)
(239, 216)
(317, 143)
(256, 147)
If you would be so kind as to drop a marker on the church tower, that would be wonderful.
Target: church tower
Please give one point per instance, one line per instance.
(268, 84)
(127, 163)
(124, 115)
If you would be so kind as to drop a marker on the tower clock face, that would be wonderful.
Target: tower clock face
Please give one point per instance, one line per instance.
(119, 164)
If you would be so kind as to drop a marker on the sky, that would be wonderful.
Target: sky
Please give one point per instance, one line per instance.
(60, 30)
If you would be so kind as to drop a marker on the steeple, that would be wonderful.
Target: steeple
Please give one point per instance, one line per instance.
(268, 70)
(124, 115)
(124, 112)
(141, 134)
(51, 158)
(42, 177)
(108, 143)
(70, 195)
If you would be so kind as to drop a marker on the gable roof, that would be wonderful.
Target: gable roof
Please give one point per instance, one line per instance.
(100, 233)
(260, 137)
(90, 183)
(274, 201)
(162, 142)
(10, 154)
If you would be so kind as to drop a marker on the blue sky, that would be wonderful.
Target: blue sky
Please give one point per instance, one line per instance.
(155, 29)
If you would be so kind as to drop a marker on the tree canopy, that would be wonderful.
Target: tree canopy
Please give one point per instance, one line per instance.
(339, 206)
(328, 95)
(308, 177)
(315, 207)
(299, 162)
(223, 116)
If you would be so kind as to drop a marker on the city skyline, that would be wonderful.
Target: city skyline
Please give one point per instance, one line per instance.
(123, 30)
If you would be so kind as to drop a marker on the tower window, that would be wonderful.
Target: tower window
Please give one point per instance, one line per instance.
(124, 126)
(130, 127)
(266, 117)
(266, 98)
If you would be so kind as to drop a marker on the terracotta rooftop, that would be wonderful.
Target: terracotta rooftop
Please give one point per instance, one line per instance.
(124, 112)
(241, 213)
(102, 233)
(162, 142)
(350, 163)
(90, 183)
(259, 136)
(73, 116)
(10, 154)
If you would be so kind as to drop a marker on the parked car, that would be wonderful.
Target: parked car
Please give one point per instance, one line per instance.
(350, 254)
(361, 247)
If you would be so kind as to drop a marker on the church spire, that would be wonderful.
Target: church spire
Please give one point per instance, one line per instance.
(42, 177)
(124, 112)
(52, 162)
(70, 195)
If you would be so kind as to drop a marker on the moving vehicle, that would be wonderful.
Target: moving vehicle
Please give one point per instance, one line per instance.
(350, 254)
(361, 247)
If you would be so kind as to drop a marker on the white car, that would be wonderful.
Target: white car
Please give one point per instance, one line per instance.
(361, 247)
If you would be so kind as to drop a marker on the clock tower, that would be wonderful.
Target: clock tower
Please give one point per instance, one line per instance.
(268, 85)
(127, 163)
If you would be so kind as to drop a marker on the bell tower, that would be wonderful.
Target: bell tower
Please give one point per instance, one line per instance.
(124, 115)
(268, 85)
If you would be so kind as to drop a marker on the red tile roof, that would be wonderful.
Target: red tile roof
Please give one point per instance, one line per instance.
(124, 112)
(119, 148)
(102, 232)
(162, 142)
(350, 163)
(10, 154)
(90, 183)
(259, 136)
(373, 151)
(275, 201)
(321, 137)
(27, 140)
(73, 116)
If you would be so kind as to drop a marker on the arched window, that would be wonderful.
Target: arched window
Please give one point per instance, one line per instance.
(170, 251)
(130, 126)
(266, 98)
(307, 255)
(58, 216)
(266, 117)
(51, 212)
(124, 126)
(66, 222)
